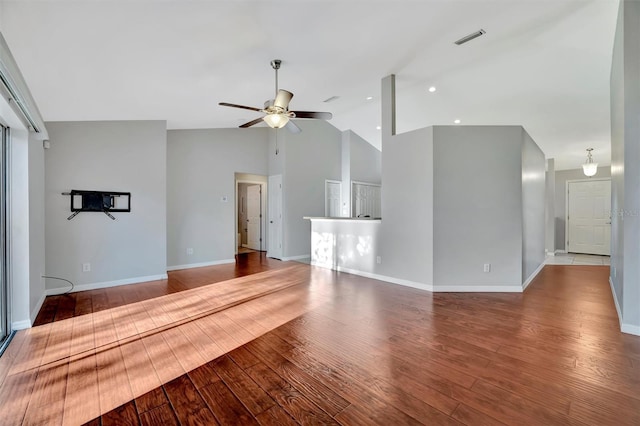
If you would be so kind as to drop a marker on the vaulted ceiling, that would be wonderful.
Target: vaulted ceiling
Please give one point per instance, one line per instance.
(544, 64)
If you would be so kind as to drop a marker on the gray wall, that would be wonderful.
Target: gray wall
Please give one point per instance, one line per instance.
(201, 167)
(125, 156)
(36, 225)
(625, 161)
(305, 160)
(365, 160)
(560, 208)
(361, 162)
(617, 85)
(533, 206)
(406, 234)
(478, 205)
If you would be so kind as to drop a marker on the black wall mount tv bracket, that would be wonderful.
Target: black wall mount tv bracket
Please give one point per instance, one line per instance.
(98, 201)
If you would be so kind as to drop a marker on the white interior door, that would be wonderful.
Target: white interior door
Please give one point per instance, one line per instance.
(589, 217)
(274, 248)
(333, 195)
(254, 195)
(365, 200)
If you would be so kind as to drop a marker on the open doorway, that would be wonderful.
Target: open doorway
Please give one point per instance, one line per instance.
(251, 204)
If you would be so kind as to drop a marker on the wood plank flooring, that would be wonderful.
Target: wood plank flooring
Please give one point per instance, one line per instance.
(56, 308)
(294, 344)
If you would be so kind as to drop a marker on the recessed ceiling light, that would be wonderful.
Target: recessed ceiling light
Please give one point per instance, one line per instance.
(369, 98)
(457, 121)
(378, 127)
(432, 89)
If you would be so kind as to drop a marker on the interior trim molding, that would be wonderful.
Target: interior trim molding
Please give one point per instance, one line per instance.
(298, 257)
(478, 289)
(200, 265)
(532, 276)
(625, 328)
(106, 284)
(630, 329)
(36, 309)
(21, 325)
(393, 280)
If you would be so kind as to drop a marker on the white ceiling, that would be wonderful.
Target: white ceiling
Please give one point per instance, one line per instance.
(543, 64)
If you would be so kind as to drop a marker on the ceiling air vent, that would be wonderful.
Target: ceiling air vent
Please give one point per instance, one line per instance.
(470, 37)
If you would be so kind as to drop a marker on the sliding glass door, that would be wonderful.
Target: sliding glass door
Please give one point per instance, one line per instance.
(5, 325)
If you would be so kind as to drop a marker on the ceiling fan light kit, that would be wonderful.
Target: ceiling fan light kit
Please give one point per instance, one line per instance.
(277, 114)
(590, 168)
(276, 121)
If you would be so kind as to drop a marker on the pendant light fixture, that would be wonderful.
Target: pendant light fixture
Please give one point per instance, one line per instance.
(590, 168)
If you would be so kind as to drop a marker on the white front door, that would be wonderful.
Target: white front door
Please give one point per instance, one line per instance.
(589, 217)
(333, 195)
(275, 217)
(254, 194)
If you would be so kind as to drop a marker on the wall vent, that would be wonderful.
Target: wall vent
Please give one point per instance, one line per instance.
(470, 37)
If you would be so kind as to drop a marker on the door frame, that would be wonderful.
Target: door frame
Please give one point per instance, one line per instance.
(566, 206)
(5, 227)
(276, 237)
(263, 211)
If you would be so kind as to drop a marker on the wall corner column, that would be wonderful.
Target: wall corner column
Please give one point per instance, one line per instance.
(388, 123)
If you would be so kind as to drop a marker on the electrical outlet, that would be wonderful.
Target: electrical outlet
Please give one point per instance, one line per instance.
(189, 251)
(378, 259)
(487, 267)
(86, 267)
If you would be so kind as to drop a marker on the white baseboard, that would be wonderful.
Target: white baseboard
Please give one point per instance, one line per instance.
(625, 328)
(300, 256)
(36, 309)
(630, 329)
(477, 289)
(106, 284)
(560, 252)
(615, 301)
(20, 325)
(200, 265)
(393, 280)
(532, 276)
(553, 253)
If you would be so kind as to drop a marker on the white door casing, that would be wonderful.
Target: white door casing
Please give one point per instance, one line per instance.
(254, 194)
(589, 217)
(275, 240)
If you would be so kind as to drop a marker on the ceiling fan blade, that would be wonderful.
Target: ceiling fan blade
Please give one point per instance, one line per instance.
(292, 128)
(239, 106)
(251, 123)
(313, 114)
(282, 99)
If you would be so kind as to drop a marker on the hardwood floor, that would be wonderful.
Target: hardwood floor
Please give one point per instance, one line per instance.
(293, 344)
(56, 308)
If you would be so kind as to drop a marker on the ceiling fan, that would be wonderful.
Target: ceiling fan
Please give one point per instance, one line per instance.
(277, 114)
